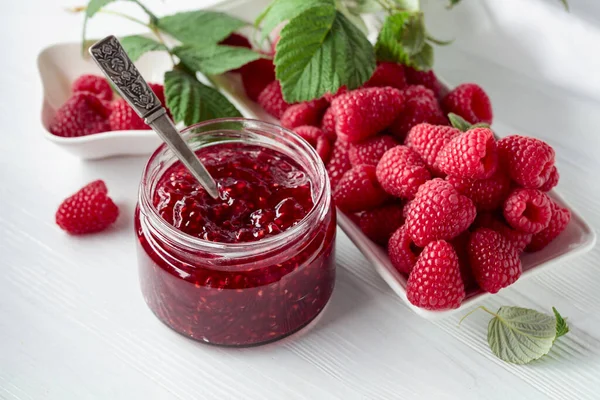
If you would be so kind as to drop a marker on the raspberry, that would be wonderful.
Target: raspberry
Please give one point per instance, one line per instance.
(94, 84)
(387, 74)
(358, 190)
(460, 245)
(83, 114)
(487, 194)
(329, 97)
(305, 113)
(365, 112)
(558, 223)
(495, 262)
(256, 75)
(316, 138)
(236, 40)
(435, 282)
(87, 211)
(402, 251)
(159, 91)
(401, 171)
(418, 91)
(471, 155)
(271, 99)
(428, 140)
(371, 150)
(438, 212)
(379, 223)
(528, 210)
(424, 78)
(328, 125)
(529, 161)
(552, 180)
(338, 163)
(517, 238)
(123, 117)
(470, 102)
(417, 109)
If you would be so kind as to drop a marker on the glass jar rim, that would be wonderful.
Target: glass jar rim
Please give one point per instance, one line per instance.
(315, 161)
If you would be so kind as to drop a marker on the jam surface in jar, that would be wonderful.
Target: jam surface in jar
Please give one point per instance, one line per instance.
(258, 294)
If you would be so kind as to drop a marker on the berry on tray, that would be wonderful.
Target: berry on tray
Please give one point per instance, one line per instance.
(423, 78)
(428, 140)
(371, 150)
(305, 113)
(387, 74)
(470, 155)
(271, 99)
(94, 84)
(87, 211)
(379, 223)
(83, 114)
(528, 210)
(123, 117)
(402, 251)
(358, 190)
(487, 194)
(328, 124)
(317, 139)
(256, 75)
(470, 102)
(558, 223)
(496, 223)
(435, 282)
(420, 106)
(338, 163)
(401, 172)
(495, 262)
(528, 161)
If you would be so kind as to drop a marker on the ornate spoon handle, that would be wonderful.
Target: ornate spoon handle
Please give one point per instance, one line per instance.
(120, 70)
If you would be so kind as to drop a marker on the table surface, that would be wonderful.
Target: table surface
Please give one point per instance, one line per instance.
(73, 324)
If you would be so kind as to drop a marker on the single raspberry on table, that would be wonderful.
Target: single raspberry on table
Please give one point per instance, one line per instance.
(486, 194)
(328, 125)
(428, 140)
(236, 40)
(494, 261)
(471, 155)
(528, 210)
(387, 74)
(371, 150)
(423, 78)
(94, 84)
(401, 171)
(379, 223)
(271, 99)
(358, 190)
(317, 139)
(256, 75)
(365, 112)
(83, 114)
(529, 161)
(558, 223)
(438, 212)
(496, 223)
(338, 162)
(402, 251)
(422, 108)
(123, 118)
(552, 180)
(87, 211)
(470, 102)
(305, 113)
(435, 282)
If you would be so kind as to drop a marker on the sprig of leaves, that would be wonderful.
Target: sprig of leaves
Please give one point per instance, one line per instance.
(521, 335)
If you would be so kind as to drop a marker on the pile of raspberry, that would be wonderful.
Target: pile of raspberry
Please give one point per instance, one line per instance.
(455, 209)
(93, 109)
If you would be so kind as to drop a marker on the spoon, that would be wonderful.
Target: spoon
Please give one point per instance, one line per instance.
(120, 70)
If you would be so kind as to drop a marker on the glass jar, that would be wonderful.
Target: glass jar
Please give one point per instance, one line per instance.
(237, 294)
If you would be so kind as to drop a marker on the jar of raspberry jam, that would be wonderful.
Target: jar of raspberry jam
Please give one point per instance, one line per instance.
(253, 266)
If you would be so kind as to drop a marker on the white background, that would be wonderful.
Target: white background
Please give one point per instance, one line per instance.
(73, 324)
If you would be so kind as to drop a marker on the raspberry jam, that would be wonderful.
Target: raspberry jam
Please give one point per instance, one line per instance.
(253, 266)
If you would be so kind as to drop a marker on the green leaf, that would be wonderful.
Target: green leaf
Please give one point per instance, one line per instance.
(439, 42)
(452, 3)
(459, 122)
(352, 16)
(199, 28)
(191, 101)
(561, 325)
(215, 59)
(318, 52)
(402, 40)
(358, 7)
(283, 10)
(520, 335)
(135, 46)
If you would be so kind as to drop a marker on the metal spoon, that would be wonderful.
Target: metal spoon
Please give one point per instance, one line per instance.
(120, 70)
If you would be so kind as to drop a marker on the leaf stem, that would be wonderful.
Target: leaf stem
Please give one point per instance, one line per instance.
(475, 309)
(160, 38)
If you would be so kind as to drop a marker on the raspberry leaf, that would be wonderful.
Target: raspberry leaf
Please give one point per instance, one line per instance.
(200, 26)
(215, 59)
(561, 325)
(319, 51)
(191, 101)
(283, 10)
(135, 46)
(459, 122)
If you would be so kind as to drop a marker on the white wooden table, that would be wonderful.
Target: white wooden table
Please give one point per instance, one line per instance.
(73, 324)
